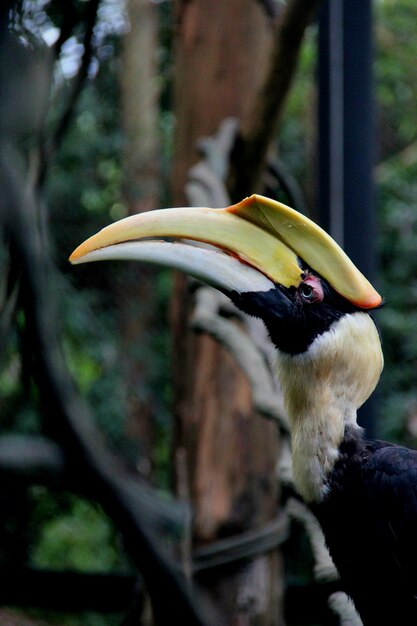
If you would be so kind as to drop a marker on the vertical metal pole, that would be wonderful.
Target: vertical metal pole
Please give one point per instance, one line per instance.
(346, 136)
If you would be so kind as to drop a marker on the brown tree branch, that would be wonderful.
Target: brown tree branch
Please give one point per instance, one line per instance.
(67, 417)
(251, 148)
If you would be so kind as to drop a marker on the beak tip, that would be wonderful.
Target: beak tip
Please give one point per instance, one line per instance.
(369, 301)
(75, 256)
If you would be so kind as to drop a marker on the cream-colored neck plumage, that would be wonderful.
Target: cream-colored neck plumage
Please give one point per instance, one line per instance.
(323, 388)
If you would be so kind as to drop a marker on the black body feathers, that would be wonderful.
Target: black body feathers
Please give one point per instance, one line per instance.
(369, 519)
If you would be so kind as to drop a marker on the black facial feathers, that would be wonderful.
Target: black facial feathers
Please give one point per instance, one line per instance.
(293, 322)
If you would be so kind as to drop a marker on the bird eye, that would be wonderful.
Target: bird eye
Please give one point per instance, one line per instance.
(311, 290)
(307, 291)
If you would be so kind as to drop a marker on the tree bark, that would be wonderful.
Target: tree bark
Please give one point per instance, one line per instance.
(140, 107)
(142, 183)
(260, 127)
(220, 61)
(221, 55)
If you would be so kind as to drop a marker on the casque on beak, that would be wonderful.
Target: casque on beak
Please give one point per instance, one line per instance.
(258, 242)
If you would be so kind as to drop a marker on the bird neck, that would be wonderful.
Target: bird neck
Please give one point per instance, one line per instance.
(323, 388)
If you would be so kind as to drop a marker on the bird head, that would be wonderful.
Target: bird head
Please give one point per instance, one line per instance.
(276, 264)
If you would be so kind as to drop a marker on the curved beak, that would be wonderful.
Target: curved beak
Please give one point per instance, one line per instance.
(258, 242)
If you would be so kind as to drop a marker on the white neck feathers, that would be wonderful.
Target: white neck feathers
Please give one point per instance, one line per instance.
(323, 388)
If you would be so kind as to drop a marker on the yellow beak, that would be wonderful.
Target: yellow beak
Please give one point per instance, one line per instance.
(265, 234)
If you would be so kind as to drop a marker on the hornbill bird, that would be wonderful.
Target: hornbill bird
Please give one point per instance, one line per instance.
(276, 264)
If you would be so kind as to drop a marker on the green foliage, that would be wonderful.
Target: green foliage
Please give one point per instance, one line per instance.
(396, 74)
(89, 155)
(398, 319)
(70, 533)
(80, 538)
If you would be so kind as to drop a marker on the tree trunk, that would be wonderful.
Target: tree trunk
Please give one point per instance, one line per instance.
(221, 57)
(142, 183)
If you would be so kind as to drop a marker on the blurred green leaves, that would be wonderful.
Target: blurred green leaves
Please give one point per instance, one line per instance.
(396, 177)
(82, 539)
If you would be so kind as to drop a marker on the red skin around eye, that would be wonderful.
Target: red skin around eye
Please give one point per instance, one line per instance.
(317, 287)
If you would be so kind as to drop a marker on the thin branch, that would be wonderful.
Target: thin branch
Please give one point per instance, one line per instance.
(90, 20)
(271, 8)
(249, 155)
(69, 22)
(278, 177)
(324, 569)
(8, 301)
(50, 146)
